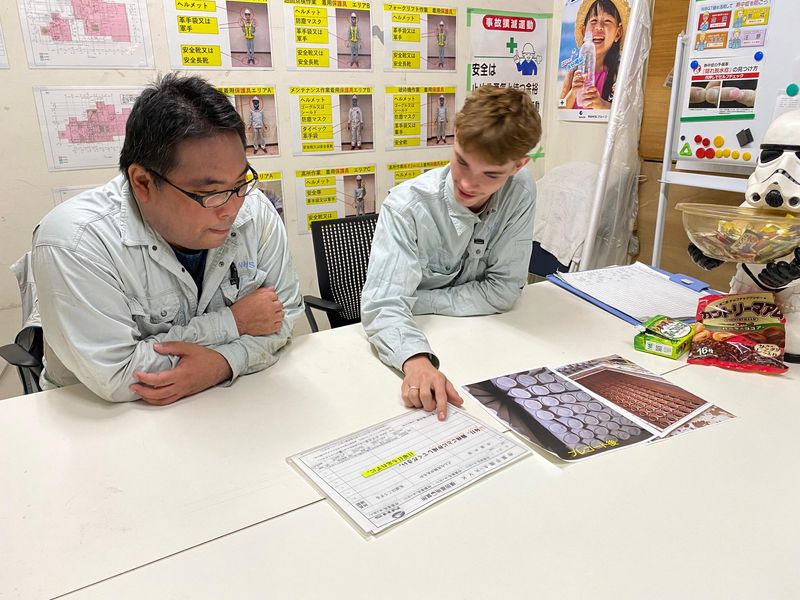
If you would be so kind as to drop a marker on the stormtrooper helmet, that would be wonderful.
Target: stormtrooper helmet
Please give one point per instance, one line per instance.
(354, 100)
(441, 100)
(359, 178)
(353, 18)
(247, 12)
(776, 181)
(256, 102)
(441, 23)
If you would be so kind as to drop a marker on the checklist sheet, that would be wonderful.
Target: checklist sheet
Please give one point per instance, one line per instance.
(383, 474)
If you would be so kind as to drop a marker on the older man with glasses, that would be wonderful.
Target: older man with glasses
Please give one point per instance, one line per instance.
(176, 275)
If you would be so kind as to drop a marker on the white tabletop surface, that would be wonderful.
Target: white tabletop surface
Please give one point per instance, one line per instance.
(92, 489)
(711, 514)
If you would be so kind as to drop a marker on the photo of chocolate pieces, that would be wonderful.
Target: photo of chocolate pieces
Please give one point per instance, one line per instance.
(555, 414)
(648, 396)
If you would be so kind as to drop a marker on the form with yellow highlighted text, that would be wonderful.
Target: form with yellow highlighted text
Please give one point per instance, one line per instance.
(383, 474)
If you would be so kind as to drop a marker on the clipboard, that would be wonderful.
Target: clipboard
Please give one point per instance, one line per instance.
(679, 279)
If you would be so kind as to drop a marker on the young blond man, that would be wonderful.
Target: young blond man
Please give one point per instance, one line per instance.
(454, 241)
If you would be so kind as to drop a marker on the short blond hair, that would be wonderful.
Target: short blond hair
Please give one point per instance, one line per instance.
(498, 124)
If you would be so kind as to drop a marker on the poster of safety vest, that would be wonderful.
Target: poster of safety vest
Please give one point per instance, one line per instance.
(419, 38)
(256, 106)
(324, 194)
(218, 34)
(328, 35)
(421, 116)
(592, 38)
(400, 172)
(329, 119)
(508, 49)
(270, 183)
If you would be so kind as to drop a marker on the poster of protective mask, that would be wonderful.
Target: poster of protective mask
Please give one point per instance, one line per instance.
(324, 194)
(421, 116)
(218, 34)
(741, 70)
(328, 35)
(592, 38)
(271, 185)
(331, 119)
(256, 106)
(400, 172)
(419, 38)
(508, 50)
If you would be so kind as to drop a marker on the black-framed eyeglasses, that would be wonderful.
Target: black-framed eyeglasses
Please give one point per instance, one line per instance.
(217, 199)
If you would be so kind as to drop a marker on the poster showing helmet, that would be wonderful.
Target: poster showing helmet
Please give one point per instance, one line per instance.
(592, 39)
(508, 50)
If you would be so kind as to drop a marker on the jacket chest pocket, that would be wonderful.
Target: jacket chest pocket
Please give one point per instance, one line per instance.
(154, 315)
(248, 281)
(443, 265)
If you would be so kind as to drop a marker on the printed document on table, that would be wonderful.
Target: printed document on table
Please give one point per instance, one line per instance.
(383, 474)
(636, 290)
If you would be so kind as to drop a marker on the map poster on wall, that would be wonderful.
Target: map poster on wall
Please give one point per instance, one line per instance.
(508, 50)
(328, 119)
(218, 34)
(3, 54)
(592, 38)
(62, 194)
(90, 34)
(324, 194)
(256, 106)
(83, 128)
(419, 38)
(421, 116)
(400, 172)
(328, 35)
(270, 183)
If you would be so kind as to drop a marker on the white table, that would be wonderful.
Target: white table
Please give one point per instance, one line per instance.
(92, 489)
(710, 514)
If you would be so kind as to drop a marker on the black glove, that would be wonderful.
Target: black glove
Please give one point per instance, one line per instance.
(782, 273)
(701, 260)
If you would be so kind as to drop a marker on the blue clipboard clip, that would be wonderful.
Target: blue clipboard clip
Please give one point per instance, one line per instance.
(693, 284)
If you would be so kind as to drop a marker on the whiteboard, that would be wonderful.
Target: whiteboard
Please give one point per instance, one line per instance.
(741, 56)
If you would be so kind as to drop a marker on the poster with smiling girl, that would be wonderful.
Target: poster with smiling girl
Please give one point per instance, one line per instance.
(592, 36)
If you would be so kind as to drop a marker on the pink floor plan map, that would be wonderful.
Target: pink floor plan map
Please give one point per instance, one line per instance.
(83, 127)
(86, 33)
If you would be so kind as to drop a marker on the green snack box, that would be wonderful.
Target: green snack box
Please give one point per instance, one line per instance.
(664, 336)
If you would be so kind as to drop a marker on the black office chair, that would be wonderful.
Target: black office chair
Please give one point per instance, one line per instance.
(341, 254)
(26, 354)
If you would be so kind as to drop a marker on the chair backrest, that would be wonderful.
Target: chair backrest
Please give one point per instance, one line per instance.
(341, 254)
(26, 355)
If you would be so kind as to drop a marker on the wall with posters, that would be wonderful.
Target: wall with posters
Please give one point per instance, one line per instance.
(59, 82)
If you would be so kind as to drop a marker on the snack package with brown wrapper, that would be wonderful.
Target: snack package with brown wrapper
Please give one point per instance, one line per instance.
(744, 332)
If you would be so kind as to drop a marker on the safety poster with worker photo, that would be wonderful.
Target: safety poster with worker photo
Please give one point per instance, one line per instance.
(324, 194)
(221, 34)
(419, 38)
(328, 35)
(420, 116)
(331, 119)
(256, 106)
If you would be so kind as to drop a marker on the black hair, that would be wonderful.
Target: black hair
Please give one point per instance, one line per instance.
(611, 60)
(173, 109)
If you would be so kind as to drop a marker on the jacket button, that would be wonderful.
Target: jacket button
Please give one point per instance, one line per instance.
(221, 264)
(155, 247)
(163, 313)
(233, 234)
